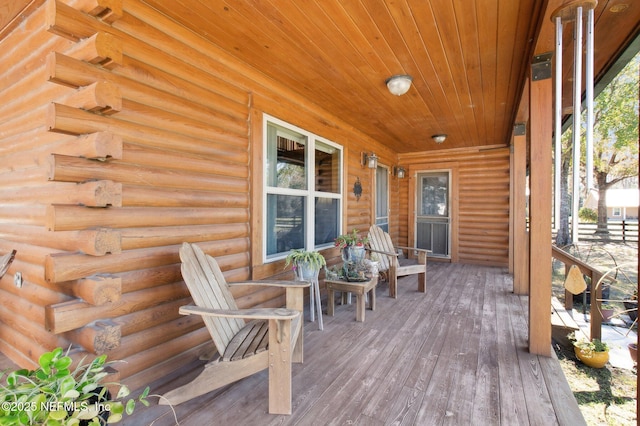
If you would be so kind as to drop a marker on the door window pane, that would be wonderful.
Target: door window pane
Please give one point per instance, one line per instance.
(435, 195)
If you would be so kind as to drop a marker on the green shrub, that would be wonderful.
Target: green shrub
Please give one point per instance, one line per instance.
(588, 215)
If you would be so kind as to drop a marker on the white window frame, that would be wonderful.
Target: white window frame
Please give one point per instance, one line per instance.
(310, 193)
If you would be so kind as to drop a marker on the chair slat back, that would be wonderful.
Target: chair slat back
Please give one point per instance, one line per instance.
(381, 241)
(5, 262)
(209, 289)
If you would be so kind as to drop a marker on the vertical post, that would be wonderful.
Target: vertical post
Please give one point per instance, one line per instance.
(589, 99)
(519, 195)
(541, 129)
(557, 134)
(577, 103)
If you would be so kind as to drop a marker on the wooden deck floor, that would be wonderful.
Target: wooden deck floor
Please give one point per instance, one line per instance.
(456, 355)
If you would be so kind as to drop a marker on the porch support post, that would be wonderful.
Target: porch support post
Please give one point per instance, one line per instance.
(540, 204)
(520, 236)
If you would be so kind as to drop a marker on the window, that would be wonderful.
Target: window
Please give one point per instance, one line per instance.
(303, 199)
(617, 212)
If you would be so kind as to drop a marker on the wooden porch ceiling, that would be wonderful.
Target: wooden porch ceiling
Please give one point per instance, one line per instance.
(468, 59)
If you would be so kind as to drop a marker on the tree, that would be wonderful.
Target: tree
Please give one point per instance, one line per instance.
(615, 140)
(563, 235)
(615, 135)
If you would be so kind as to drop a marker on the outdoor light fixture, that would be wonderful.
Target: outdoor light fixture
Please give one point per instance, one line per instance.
(369, 160)
(399, 84)
(399, 172)
(439, 138)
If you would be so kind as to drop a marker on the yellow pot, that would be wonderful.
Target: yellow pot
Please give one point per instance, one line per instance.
(591, 358)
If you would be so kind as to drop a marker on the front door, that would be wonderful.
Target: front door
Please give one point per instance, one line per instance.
(433, 214)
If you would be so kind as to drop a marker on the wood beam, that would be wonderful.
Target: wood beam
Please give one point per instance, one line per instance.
(541, 128)
(520, 236)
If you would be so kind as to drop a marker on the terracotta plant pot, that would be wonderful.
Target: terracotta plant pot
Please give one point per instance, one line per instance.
(607, 314)
(633, 351)
(592, 359)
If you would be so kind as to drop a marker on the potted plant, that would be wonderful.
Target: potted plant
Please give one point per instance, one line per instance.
(606, 311)
(594, 353)
(352, 246)
(53, 394)
(306, 264)
(373, 265)
(633, 352)
(631, 306)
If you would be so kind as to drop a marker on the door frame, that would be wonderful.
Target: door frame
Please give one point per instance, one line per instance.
(451, 167)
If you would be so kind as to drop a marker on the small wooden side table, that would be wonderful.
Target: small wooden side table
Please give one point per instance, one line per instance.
(357, 288)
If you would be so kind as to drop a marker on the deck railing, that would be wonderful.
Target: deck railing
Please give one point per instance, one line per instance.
(595, 289)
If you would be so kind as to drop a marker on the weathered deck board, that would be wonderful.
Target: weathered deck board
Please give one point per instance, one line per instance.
(455, 355)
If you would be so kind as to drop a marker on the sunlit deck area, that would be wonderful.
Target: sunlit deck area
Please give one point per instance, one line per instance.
(455, 355)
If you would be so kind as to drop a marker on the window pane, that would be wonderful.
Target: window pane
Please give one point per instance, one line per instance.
(327, 162)
(435, 195)
(327, 214)
(285, 223)
(286, 157)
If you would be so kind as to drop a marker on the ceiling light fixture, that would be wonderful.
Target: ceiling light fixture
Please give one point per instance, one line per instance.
(399, 84)
(439, 138)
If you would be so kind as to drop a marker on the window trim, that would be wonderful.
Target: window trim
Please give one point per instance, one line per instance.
(310, 192)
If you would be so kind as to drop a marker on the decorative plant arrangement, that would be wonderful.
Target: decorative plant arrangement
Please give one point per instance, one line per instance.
(55, 395)
(352, 246)
(298, 257)
(306, 264)
(593, 353)
(351, 239)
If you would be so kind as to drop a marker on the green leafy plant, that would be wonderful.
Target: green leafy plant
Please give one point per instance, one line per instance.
(313, 259)
(351, 239)
(595, 345)
(54, 394)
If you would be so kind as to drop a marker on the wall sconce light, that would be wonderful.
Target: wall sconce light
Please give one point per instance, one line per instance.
(399, 84)
(369, 160)
(439, 138)
(399, 172)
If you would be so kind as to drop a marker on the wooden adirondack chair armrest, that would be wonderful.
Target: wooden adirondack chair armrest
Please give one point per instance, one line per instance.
(414, 249)
(273, 283)
(422, 253)
(253, 313)
(294, 290)
(388, 253)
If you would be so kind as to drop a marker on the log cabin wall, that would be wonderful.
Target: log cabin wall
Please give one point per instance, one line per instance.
(122, 136)
(479, 202)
